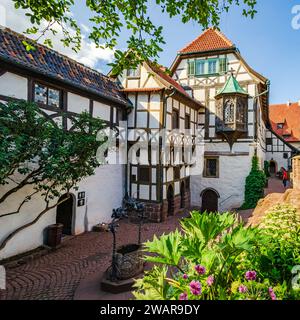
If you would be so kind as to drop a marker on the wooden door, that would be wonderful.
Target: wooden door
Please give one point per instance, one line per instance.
(65, 214)
(209, 201)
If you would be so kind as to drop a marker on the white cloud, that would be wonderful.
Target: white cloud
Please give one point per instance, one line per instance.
(89, 54)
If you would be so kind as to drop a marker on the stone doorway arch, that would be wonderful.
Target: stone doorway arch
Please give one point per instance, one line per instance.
(210, 200)
(170, 199)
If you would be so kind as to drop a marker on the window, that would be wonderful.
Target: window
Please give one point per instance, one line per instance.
(176, 173)
(280, 125)
(285, 155)
(175, 119)
(47, 96)
(144, 174)
(229, 111)
(211, 169)
(222, 65)
(269, 141)
(212, 66)
(133, 73)
(200, 67)
(206, 67)
(187, 122)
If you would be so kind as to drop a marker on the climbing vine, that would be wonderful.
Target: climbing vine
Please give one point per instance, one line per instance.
(255, 183)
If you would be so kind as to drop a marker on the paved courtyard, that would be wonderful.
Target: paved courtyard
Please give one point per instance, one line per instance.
(57, 275)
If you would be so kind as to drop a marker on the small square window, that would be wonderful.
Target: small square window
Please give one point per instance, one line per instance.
(280, 125)
(144, 175)
(175, 119)
(176, 173)
(269, 141)
(211, 169)
(47, 96)
(187, 121)
(285, 155)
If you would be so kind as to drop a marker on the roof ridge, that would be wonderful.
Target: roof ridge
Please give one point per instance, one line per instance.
(217, 32)
(21, 35)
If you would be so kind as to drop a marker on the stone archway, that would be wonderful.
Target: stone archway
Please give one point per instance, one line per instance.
(210, 200)
(182, 195)
(170, 199)
(65, 213)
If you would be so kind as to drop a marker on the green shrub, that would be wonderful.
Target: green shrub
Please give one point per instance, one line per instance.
(255, 184)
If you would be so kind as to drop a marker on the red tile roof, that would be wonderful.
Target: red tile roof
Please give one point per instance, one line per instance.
(289, 116)
(210, 40)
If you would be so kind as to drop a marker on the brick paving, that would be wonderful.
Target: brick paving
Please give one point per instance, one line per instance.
(56, 276)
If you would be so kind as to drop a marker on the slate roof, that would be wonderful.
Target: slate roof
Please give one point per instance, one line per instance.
(52, 64)
(211, 39)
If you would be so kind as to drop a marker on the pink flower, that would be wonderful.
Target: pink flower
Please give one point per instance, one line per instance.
(272, 294)
(250, 275)
(185, 276)
(210, 280)
(183, 296)
(243, 289)
(200, 269)
(195, 287)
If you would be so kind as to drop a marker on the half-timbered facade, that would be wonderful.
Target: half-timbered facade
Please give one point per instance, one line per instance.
(207, 67)
(162, 129)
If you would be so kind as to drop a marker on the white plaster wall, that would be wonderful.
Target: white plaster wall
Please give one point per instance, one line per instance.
(13, 85)
(230, 185)
(104, 191)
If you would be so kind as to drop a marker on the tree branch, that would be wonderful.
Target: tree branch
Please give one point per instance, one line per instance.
(27, 198)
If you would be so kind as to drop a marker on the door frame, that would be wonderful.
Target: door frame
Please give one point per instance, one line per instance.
(213, 190)
(73, 197)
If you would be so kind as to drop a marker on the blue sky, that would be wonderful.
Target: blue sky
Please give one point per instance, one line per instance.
(268, 42)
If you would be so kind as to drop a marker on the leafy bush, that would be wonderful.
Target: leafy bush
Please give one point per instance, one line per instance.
(279, 249)
(216, 257)
(255, 183)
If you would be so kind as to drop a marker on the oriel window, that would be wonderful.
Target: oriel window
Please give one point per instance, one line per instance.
(229, 111)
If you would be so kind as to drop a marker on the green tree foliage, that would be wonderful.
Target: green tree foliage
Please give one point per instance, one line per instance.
(110, 17)
(267, 169)
(255, 183)
(36, 152)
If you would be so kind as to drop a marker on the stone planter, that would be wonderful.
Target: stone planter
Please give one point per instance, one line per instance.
(129, 261)
(54, 235)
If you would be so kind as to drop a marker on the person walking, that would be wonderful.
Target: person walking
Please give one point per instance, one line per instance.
(285, 177)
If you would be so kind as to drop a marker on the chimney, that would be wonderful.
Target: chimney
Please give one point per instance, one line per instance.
(299, 103)
(289, 103)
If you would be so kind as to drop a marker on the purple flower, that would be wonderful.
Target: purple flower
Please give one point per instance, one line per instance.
(200, 269)
(243, 289)
(183, 296)
(195, 287)
(185, 276)
(272, 294)
(250, 275)
(210, 280)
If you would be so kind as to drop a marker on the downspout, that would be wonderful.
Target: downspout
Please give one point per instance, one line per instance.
(160, 139)
(255, 100)
(127, 111)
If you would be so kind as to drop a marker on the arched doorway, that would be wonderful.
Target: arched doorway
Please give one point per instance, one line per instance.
(182, 195)
(209, 200)
(273, 167)
(170, 198)
(65, 212)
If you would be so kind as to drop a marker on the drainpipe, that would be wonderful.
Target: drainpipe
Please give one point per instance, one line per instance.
(160, 138)
(127, 111)
(255, 100)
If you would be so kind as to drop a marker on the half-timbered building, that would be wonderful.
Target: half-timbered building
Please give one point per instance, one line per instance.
(235, 118)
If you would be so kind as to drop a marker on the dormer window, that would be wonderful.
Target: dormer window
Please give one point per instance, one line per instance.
(280, 125)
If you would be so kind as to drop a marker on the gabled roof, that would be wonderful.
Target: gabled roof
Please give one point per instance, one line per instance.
(232, 86)
(210, 40)
(52, 64)
(289, 116)
(168, 81)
